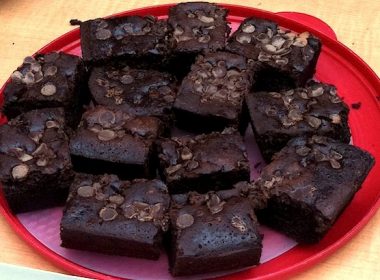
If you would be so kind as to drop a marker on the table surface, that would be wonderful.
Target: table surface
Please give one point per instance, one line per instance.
(29, 25)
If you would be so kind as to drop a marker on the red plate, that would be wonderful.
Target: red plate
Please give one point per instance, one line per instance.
(338, 65)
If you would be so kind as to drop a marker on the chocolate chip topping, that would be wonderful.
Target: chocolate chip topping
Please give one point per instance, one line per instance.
(215, 204)
(237, 222)
(20, 171)
(48, 89)
(103, 34)
(184, 221)
(86, 191)
(108, 214)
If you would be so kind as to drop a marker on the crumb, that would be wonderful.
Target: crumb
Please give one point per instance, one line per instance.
(356, 106)
(75, 22)
(13, 43)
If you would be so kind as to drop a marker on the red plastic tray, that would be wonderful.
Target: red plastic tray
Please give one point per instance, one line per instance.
(338, 65)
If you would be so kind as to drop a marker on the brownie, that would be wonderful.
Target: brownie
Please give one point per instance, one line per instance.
(45, 81)
(204, 162)
(309, 183)
(134, 91)
(286, 59)
(139, 40)
(106, 215)
(197, 27)
(276, 117)
(35, 166)
(210, 97)
(212, 232)
(112, 141)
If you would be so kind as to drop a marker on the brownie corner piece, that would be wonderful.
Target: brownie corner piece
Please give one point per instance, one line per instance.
(106, 215)
(286, 59)
(109, 140)
(34, 154)
(126, 37)
(277, 117)
(309, 184)
(204, 162)
(48, 80)
(211, 96)
(212, 232)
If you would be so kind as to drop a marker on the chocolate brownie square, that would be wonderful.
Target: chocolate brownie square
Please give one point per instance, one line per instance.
(211, 96)
(134, 91)
(139, 40)
(197, 27)
(110, 140)
(35, 166)
(106, 215)
(309, 183)
(204, 162)
(47, 80)
(285, 59)
(276, 117)
(212, 232)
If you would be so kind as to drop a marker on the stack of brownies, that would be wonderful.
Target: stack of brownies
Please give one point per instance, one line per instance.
(100, 130)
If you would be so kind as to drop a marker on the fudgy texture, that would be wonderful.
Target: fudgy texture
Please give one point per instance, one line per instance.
(110, 140)
(285, 59)
(276, 117)
(211, 96)
(197, 27)
(204, 162)
(106, 215)
(134, 91)
(139, 40)
(212, 232)
(35, 166)
(48, 80)
(309, 183)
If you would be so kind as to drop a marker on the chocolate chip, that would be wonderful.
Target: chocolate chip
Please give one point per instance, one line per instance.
(269, 32)
(173, 169)
(275, 94)
(204, 39)
(51, 70)
(248, 28)
(191, 15)
(237, 222)
(17, 75)
(300, 42)
(303, 94)
(303, 151)
(126, 79)
(147, 29)
(52, 124)
(129, 211)
(282, 61)
(29, 78)
(184, 221)
(29, 60)
(191, 165)
(243, 38)
(278, 42)
(107, 118)
(335, 164)
(102, 24)
(25, 157)
(264, 57)
(268, 48)
(205, 19)
(20, 171)
(106, 135)
(38, 76)
(215, 204)
(316, 92)
(103, 34)
(314, 122)
(86, 191)
(186, 154)
(48, 89)
(335, 99)
(107, 214)
(35, 67)
(335, 118)
(219, 72)
(117, 199)
(286, 122)
(295, 115)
